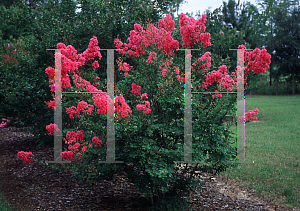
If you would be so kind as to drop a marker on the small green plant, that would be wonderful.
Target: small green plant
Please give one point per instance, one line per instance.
(4, 206)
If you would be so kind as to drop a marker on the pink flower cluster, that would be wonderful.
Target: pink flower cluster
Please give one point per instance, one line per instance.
(68, 155)
(26, 156)
(191, 31)
(124, 109)
(165, 66)
(94, 79)
(225, 81)
(80, 82)
(136, 89)
(124, 67)
(258, 60)
(144, 95)
(168, 24)
(95, 64)
(249, 115)
(70, 62)
(51, 128)
(139, 39)
(179, 78)
(206, 57)
(152, 55)
(84, 148)
(80, 108)
(144, 108)
(51, 104)
(4, 122)
(74, 147)
(100, 100)
(93, 50)
(73, 137)
(217, 94)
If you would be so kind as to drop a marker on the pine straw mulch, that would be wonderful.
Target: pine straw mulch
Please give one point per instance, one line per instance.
(37, 187)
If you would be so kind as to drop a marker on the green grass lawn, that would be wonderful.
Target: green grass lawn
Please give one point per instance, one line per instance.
(3, 205)
(274, 146)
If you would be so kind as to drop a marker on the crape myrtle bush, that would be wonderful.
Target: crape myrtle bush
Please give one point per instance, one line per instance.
(149, 109)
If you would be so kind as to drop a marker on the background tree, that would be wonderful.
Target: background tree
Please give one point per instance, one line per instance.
(287, 44)
(241, 16)
(175, 5)
(260, 26)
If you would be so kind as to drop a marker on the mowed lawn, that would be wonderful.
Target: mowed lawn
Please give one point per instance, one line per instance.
(273, 143)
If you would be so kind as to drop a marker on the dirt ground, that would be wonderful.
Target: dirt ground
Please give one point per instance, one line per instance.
(37, 187)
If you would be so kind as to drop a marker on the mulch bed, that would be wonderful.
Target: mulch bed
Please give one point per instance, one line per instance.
(37, 187)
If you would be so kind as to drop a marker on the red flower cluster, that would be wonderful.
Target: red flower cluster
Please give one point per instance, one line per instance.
(25, 156)
(84, 148)
(179, 78)
(136, 91)
(217, 94)
(74, 138)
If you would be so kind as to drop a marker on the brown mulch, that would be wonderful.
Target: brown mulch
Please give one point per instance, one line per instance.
(37, 187)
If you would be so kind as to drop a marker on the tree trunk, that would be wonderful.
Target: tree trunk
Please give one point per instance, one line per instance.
(294, 81)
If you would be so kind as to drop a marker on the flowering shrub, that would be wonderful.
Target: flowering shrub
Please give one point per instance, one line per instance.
(149, 129)
(250, 116)
(26, 156)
